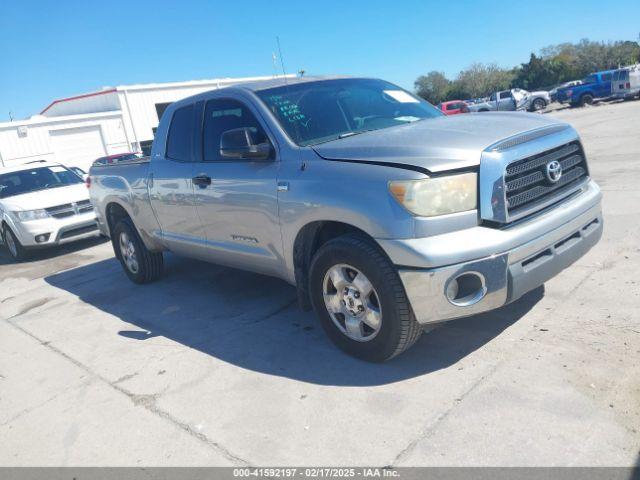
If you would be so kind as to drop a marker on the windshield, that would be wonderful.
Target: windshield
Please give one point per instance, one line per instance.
(591, 79)
(317, 112)
(32, 180)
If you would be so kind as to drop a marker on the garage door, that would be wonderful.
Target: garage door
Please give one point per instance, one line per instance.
(77, 147)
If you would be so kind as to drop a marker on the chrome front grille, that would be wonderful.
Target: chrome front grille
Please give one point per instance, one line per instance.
(70, 209)
(528, 186)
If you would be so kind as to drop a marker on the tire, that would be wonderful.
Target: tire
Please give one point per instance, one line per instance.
(13, 245)
(397, 327)
(139, 263)
(483, 110)
(586, 99)
(538, 105)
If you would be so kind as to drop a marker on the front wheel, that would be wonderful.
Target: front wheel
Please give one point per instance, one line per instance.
(14, 247)
(358, 296)
(538, 105)
(139, 263)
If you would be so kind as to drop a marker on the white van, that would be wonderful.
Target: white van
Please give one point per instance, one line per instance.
(625, 82)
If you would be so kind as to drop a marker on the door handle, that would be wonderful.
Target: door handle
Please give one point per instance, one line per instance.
(202, 180)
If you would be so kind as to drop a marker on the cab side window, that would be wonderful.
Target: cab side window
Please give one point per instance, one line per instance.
(220, 116)
(180, 138)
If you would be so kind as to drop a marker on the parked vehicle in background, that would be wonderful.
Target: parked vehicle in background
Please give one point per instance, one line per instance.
(118, 157)
(43, 204)
(386, 215)
(80, 172)
(453, 107)
(512, 100)
(594, 87)
(553, 93)
(625, 82)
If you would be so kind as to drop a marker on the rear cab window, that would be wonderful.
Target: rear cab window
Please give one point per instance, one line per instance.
(180, 138)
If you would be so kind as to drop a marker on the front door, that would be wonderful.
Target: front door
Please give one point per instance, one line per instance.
(237, 199)
(506, 101)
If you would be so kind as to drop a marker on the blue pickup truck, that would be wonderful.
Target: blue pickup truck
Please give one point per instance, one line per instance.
(596, 86)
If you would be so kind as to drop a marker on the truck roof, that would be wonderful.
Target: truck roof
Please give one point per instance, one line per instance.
(281, 82)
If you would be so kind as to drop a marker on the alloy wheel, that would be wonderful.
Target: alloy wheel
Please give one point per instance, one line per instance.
(352, 302)
(128, 252)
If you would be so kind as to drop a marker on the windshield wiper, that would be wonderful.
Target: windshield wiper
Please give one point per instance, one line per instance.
(357, 132)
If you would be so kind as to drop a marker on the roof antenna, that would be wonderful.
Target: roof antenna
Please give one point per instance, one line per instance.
(284, 74)
(275, 65)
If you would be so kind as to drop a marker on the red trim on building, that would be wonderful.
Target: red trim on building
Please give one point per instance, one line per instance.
(77, 97)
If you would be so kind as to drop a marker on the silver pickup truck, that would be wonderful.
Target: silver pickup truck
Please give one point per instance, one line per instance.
(512, 100)
(385, 214)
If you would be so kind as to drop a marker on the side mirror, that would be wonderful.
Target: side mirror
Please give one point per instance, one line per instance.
(242, 143)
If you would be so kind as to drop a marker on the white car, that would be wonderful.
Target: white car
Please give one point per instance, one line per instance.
(43, 204)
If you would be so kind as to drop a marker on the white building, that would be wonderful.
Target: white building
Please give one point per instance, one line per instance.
(76, 130)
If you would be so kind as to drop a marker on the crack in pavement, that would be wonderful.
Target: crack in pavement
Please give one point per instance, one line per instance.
(431, 428)
(428, 431)
(140, 400)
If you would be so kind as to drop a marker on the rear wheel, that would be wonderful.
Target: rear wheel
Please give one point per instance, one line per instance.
(139, 263)
(14, 247)
(360, 301)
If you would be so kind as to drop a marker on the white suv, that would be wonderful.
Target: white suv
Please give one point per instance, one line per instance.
(43, 204)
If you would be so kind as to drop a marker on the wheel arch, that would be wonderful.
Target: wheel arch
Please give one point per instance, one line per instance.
(307, 242)
(115, 211)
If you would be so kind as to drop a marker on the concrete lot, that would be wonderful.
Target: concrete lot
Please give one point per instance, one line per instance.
(211, 366)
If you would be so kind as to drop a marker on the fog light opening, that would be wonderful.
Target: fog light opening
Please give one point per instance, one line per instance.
(42, 238)
(466, 289)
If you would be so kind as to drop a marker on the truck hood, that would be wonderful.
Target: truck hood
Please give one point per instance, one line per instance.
(46, 198)
(437, 144)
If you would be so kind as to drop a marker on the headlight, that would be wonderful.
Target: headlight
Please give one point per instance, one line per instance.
(27, 215)
(437, 195)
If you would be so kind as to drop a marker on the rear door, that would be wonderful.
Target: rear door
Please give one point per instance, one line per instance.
(238, 202)
(171, 184)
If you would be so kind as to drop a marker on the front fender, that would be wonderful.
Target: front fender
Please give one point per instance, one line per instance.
(352, 193)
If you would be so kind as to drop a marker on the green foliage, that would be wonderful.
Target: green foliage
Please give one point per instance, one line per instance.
(480, 80)
(568, 61)
(433, 87)
(555, 64)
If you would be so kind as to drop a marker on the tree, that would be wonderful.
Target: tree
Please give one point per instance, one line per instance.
(542, 72)
(480, 80)
(553, 65)
(433, 87)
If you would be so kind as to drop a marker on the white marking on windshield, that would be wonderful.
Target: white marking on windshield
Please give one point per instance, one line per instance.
(401, 96)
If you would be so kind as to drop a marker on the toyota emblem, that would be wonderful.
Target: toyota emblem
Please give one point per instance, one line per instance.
(554, 171)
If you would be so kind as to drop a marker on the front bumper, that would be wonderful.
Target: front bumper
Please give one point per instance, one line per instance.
(59, 230)
(523, 257)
